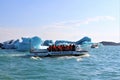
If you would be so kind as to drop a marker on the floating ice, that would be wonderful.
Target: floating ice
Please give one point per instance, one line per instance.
(48, 42)
(29, 43)
(10, 44)
(83, 40)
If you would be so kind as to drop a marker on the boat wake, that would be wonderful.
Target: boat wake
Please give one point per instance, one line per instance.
(12, 55)
(35, 58)
(85, 55)
(78, 58)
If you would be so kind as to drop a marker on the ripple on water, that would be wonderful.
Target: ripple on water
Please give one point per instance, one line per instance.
(102, 64)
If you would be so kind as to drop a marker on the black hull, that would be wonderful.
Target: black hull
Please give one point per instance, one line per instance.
(58, 54)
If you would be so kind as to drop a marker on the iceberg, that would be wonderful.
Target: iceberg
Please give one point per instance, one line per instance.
(36, 42)
(29, 43)
(83, 40)
(1, 45)
(63, 42)
(48, 43)
(10, 44)
(24, 45)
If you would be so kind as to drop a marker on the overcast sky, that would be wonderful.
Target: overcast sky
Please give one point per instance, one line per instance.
(60, 19)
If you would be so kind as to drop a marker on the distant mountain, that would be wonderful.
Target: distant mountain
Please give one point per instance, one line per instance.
(110, 43)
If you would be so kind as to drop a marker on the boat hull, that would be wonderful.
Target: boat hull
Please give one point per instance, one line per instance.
(58, 53)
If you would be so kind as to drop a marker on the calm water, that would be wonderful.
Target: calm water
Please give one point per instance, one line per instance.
(102, 64)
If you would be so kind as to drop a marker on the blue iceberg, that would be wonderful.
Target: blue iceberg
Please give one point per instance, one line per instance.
(10, 44)
(63, 42)
(83, 41)
(36, 42)
(24, 45)
(29, 43)
(48, 43)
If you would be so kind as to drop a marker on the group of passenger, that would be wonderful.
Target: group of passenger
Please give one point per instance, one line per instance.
(61, 48)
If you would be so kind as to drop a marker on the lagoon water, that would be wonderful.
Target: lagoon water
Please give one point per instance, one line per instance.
(102, 64)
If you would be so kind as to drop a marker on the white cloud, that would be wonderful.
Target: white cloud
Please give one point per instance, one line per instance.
(73, 30)
(86, 21)
(110, 18)
(76, 22)
(67, 30)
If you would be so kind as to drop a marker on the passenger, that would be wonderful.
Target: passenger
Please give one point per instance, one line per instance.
(67, 48)
(73, 47)
(50, 48)
(56, 48)
(70, 47)
(63, 47)
(59, 48)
